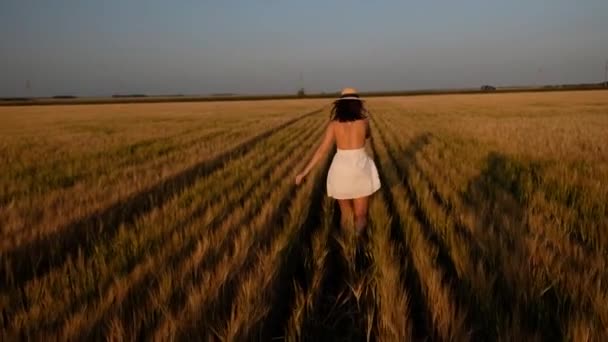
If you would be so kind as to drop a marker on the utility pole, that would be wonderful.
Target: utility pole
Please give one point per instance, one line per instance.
(606, 74)
(301, 91)
(28, 88)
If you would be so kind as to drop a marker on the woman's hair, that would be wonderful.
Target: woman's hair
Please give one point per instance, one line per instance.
(348, 110)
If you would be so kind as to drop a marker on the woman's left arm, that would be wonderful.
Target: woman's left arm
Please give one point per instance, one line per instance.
(326, 143)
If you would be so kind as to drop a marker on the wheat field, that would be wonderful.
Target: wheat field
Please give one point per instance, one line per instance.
(181, 221)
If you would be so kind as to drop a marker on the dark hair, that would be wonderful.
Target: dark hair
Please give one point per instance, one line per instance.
(348, 110)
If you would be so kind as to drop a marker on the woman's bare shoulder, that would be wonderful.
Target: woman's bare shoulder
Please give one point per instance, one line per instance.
(331, 127)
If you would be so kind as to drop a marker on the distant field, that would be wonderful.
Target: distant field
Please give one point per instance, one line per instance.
(181, 221)
(143, 98)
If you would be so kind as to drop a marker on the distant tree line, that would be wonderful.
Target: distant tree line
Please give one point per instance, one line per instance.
(129, 95)
(16, 99)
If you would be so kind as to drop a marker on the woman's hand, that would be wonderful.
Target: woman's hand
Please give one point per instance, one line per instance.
(299, 178)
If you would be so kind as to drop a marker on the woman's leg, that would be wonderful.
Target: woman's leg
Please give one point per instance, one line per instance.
(360, 207)
(346, 213)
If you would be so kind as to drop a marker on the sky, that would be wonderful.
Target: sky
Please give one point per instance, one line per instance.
(100, 48)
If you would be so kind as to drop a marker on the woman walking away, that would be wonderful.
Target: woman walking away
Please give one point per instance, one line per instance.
(352, 176)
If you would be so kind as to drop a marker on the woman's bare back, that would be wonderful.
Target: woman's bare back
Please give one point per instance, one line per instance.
(351, 135)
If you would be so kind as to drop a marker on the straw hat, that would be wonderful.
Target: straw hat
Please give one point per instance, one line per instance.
(349, 94)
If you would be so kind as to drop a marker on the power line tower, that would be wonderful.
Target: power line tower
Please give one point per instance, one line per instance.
(28, 88)
(301, 91)
(539, 77)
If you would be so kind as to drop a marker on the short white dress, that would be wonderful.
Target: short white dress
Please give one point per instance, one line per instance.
(352, 174)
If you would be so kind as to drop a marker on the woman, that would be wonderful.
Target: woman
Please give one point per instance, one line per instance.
(352, 176)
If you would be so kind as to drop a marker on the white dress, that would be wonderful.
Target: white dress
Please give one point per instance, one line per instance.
(352, 174)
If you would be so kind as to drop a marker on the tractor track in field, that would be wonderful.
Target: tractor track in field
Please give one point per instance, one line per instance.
(443, 259)
(340, 315)
(220, 306)
(40, 256)
(409, 276)
(136, 300)
(293, 268)
(216, 311)
(477, 319)
(465, 297)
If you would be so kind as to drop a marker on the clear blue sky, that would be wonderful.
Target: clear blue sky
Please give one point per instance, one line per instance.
(94, 47)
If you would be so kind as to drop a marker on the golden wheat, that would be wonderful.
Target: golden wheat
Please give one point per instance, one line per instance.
(181, 221)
